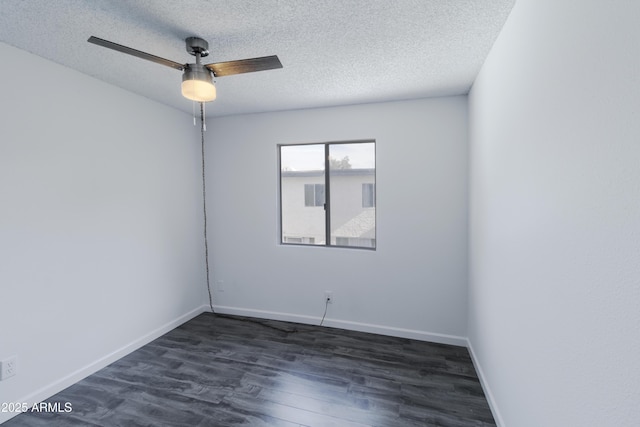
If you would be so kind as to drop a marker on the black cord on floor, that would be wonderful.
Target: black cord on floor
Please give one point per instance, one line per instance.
(257, 322)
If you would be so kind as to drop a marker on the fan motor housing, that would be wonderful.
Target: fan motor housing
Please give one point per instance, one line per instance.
(196, 45)
(197, 72)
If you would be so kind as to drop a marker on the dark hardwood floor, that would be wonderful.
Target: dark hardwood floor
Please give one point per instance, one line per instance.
(233, 371)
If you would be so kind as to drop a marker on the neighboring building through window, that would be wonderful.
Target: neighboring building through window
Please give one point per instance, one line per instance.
(328, 194)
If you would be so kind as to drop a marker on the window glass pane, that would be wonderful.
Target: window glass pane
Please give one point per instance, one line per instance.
(301, 174)
(353, 219)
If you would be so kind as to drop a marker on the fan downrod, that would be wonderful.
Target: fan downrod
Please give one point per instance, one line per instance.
(197, 46)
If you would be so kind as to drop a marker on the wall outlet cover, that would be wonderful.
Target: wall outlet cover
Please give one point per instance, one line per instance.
(8, 367)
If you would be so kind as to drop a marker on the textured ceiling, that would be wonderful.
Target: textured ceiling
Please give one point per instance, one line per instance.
(334, 52)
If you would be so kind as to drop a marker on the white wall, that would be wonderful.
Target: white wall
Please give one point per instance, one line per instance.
(414, 284)
(100, 223)
(554, 318)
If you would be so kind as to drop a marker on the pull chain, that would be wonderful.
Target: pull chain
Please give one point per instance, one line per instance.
(204, 118)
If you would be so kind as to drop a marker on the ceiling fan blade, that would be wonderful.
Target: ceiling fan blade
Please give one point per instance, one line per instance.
(240, 66)
(134, 52)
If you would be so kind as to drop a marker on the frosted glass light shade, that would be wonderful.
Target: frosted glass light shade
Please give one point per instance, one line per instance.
(198, 90)
(197, 83)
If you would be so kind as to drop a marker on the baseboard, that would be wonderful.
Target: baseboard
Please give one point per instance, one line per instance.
(346, 324)
(485, 387)
(59, 385)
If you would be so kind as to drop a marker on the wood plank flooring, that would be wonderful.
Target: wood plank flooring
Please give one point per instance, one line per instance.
(232, 371)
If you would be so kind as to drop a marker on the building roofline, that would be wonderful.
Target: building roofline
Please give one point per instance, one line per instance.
(334, 172)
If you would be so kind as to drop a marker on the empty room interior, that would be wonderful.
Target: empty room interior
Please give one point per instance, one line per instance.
(498, 217)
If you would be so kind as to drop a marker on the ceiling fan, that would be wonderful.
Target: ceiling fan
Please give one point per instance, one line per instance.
(197, 78)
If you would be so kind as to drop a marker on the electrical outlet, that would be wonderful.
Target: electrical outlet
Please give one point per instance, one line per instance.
(328, 297)
(8, 367)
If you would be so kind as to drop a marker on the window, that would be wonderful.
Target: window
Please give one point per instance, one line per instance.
(314, 194)
(356, 241)
(328, 194)
(368, 195)
(308, 240)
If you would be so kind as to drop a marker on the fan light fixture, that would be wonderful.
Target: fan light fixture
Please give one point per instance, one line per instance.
(197, 84)
(197, 79)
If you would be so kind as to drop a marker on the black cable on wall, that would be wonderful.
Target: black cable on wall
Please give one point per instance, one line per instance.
(203, 128)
